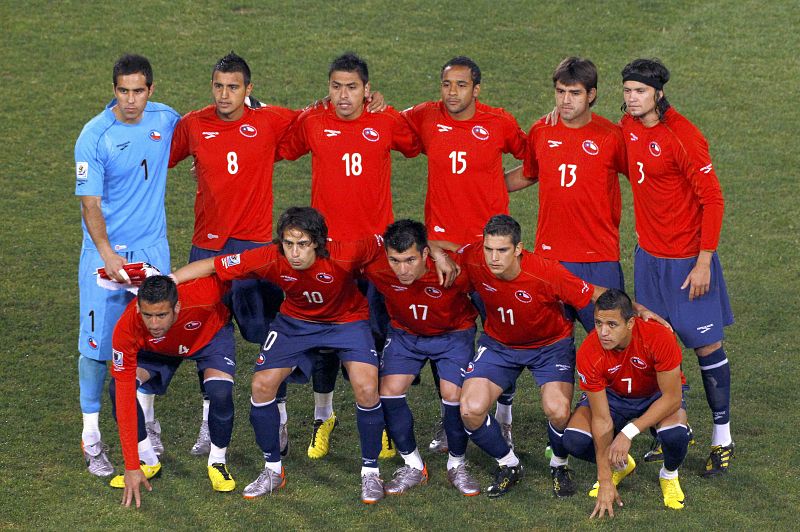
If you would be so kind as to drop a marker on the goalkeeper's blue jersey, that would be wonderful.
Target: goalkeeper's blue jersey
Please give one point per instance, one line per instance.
(126, 164)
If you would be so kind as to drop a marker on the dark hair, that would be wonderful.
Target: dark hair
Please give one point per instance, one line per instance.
(158, 288)
(233, 63)
(651, 72)
(133, 64)
(307, 220)
(503, 225)
(464, 61)
(350, 62)
(576, 70)
(613, 299)
(402, 234)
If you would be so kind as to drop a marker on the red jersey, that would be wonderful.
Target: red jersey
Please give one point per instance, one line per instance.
(201, 316)
(233, 163)
(423, 308)
(466, 185)
(351, 166)
(326, 292)
(528, 311)
(676, 194)
(632, 371)
(579, 198)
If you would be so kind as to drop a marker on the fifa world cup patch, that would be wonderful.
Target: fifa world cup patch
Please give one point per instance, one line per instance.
(118, 359)
(231, 260)
(81, 170)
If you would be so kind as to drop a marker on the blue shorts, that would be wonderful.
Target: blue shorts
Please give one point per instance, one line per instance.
(624, 409)
(406, 353)
(254, 302)
(291, 343)
(658, 287)
(502, 365)
(219, 353)
(606, 274)
(100, 308)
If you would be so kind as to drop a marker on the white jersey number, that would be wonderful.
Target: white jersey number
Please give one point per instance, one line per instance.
(506, 312)
(422, 314)
(459, 161)
(352, 164)
(568, 169)
(641, 172)
(233, 163)
(313, 297)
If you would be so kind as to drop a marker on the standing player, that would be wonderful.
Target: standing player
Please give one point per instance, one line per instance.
(165, 325)
(428, 322)
(576, 163)
(234, 149)
(121, 172)
(351, 170)
(679, 207)
(465, 140)
(630, 371)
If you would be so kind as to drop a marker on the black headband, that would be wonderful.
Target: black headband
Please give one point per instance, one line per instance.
(656, 84)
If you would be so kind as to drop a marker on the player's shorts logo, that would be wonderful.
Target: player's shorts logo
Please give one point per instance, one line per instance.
(638, 362)
(82, 171)
(470, 367)
(325, 278)
(92, 343)
(260, 359)
(370, 134)
(590, 147)
(655, 149)
(433, 292)
(523, 296)
(117, 357)
(192, 325)
(248, 131)
(155, 136)
(480, 132)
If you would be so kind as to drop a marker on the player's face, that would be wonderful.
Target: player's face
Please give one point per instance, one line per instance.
(640, 100)
(299, 248)
(347, 93)
(132, 94)
(408, 265)
(158, 317)
(612, 329)
(502, 256)
(459, 92)
(573, 102)
(229, 92)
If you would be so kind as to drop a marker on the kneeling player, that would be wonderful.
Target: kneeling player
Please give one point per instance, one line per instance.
(157, 331)
(428, 322)
(630, 371)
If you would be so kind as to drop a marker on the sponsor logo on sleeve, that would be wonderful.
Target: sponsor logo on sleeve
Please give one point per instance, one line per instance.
(248, 131)
(231, 260)
(118, 359)
(590, 147)
(480, 132)
(655, 149)
(370, 134)
(81, 170)
(638, 363)
(523, 296)
(433, 292)
(707, 168)
(192, 325)
(584, 288)
(155, 135)
(325, 278)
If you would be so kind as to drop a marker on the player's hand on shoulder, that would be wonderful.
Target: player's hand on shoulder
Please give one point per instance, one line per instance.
(646, 314)
(376, 102)
(446, 268)
(607, 496)
(134, 479)
(551, 118)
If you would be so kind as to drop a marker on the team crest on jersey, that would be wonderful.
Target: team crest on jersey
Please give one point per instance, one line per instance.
(325, 278)
(117, 357)
(260, 359)
(370, 134)
(433, 292)
(638, 362)
(192, 325)
(82, 171)
(231, 260)
(655, 149)
(480, 132)
(155, 135)
(590, 147)
(248, 131)
(92, 343)
(523, 296)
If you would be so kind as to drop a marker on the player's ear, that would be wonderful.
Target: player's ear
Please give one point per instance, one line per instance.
(592, 95)
(476, 90)
(248, 90)
(366, 90)
(518, 249)
(177, 307)
(151, 89)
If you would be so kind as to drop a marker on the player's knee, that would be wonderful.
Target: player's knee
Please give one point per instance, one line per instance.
(707, 349)
(473, 411)
(263, 387)
(219, 391)
(577, 442)
(556, 409)
(674, 439)
(366, 392)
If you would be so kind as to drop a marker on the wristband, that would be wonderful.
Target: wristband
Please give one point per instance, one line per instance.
(630, 431)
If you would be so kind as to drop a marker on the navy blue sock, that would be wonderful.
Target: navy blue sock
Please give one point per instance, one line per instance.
(489, 438)
(370, 431)
(507, 397)
(457, 437)
(202, 385)
(141, 431)
(280, 395)
(399, 423)
(220, 410)
(266, 423)
(716, 374)
(675, 443)
(579, 444)
(556, 442)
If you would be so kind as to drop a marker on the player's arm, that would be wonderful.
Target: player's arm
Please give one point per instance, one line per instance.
(92, 213)
(516, 180)
(446, 268)
(194, 270)
(602, 434)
